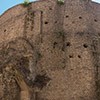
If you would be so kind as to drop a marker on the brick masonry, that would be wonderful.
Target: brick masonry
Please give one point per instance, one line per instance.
(50, 51)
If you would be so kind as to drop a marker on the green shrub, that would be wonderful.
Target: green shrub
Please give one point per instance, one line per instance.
(61, 2)
(26, 3)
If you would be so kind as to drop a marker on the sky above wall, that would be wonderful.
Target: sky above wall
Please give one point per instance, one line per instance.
(6, 4)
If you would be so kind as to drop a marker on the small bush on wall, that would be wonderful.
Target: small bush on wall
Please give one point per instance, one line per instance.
(61, 2)
(26, 3)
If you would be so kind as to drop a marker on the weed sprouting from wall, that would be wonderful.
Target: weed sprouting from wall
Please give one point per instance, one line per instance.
(60, 2)
(26, 3)
(61, 33)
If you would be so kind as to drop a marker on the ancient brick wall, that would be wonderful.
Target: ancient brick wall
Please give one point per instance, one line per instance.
(50, 51)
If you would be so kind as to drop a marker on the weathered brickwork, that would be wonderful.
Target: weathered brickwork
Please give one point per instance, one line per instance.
(50, 51)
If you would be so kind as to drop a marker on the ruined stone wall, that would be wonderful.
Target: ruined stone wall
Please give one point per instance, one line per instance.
(50, 51)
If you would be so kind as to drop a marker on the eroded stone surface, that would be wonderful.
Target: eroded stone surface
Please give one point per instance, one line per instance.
(50, 51)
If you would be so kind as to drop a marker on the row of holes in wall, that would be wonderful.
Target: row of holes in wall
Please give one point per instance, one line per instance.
(46, 22)
(68, 44)
(79, 16)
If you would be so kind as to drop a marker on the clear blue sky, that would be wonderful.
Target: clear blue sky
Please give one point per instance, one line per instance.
(6, 4)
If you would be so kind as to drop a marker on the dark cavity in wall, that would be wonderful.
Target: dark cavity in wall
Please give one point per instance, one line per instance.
(95, 20)
(46, 22)
(5, 30)
(55, 22)
(70, 56)
(85, 45)
(80, 17)
(50, 8)
(55, 44)
(68, 44)
(79, 56)
(67, 16)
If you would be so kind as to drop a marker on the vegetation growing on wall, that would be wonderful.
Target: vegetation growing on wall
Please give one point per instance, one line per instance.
(61, 2)
(26, 3)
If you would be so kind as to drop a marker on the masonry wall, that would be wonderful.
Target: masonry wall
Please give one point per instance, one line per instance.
(50, 51)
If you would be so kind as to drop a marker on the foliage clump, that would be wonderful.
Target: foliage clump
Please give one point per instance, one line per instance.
(26, 3)
(61, 2)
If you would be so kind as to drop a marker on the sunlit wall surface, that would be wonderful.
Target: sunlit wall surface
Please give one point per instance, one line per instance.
(6, 4)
